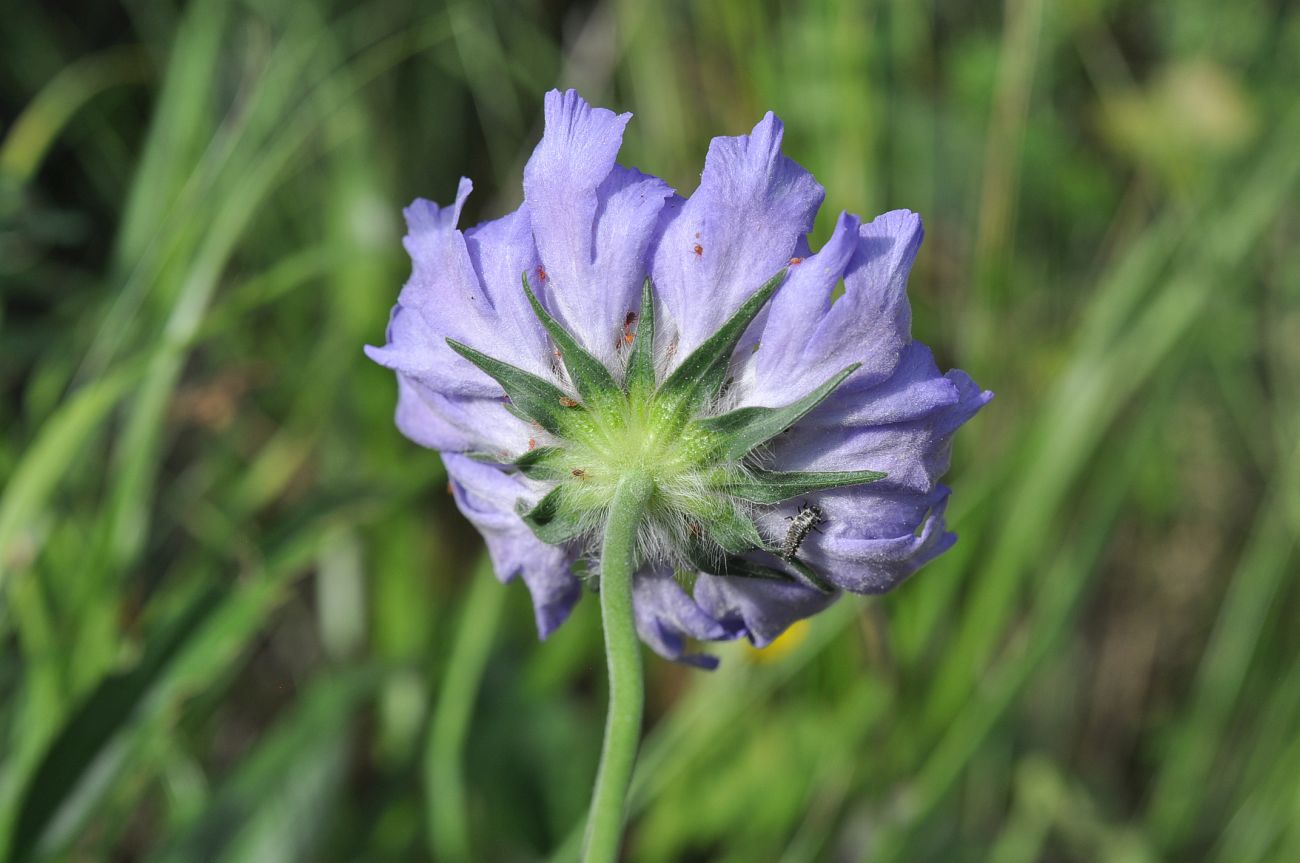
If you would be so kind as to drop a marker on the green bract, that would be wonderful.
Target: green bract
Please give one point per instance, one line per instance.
(707, 480)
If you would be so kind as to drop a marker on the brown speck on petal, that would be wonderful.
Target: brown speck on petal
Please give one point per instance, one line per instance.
(532, 444)
(794, 261)
(699, 250)
(541, 274)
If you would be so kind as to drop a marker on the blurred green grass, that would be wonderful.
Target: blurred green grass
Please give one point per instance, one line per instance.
(241, 620)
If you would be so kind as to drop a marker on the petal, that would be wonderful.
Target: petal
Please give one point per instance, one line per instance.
(742, 225)
(592, 221)
(781, 373)
(420, 420)
(810, 338)
(913, 452)
(501, 252)
(444, 298)
(487, 497)
(916, 389)
(666, 616)
(629, 207)
(871, 323)
(759, 609)
(871, 541)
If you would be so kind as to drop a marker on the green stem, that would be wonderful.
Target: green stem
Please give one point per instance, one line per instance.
(623, 654)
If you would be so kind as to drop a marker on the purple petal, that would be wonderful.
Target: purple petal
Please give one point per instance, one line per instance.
(871, 540)
(666, 616)
(743, 224)
(872, 320)
(873, 536)
(445, 298)
(501, 251)
(757, 608)
(593, 221)
(781, 373)
(807, 338)
(487, 497)
(420, 420)
(459, 423)
(842, 434)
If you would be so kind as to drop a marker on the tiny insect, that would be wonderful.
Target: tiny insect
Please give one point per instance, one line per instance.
(628, 333)
(567, 402)
(794, 261)
(532, 444)
(805, 520)
(699, 250)
(541, 274)
(579, 473)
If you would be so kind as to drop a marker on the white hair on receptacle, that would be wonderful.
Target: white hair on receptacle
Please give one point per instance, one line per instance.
(669, 527)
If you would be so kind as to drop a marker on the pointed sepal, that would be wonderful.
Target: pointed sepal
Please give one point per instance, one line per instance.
(742, 430)
(771, 486)
(589, 375)
(810, 576)
(541, 463)
(698, 380)
(726, 526)
(641, 362)
(552, 520)
(743, 567)
(538, 399)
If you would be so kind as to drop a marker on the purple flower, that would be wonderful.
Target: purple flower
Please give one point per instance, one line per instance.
(796, 439)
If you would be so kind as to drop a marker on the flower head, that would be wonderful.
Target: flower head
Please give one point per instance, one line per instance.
(609, 327)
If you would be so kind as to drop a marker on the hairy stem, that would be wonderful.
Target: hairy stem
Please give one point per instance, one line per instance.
(623, 655)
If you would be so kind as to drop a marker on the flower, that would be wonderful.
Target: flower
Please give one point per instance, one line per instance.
(795, 440)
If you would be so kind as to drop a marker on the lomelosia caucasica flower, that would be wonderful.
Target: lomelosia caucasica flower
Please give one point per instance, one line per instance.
(609, 324)
(669, 396)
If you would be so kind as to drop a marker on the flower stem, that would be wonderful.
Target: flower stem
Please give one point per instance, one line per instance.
(623, 654)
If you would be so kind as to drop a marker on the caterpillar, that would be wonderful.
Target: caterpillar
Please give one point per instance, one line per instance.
(805, 520)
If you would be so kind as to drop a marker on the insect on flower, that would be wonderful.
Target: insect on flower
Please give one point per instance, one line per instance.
(806, 519)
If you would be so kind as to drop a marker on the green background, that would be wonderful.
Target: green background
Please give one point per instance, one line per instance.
(240, 618)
